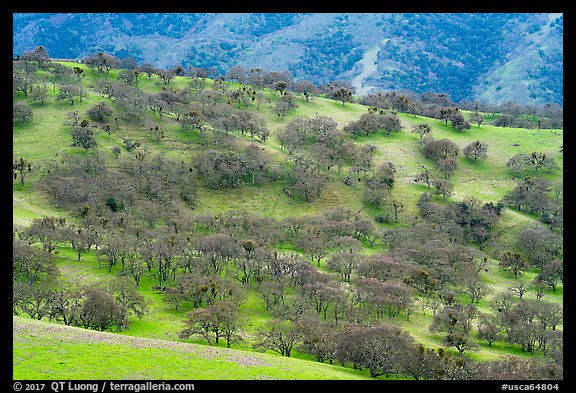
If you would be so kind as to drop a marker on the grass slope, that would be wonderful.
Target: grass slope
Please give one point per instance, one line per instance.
(46, 138)
(44, 350)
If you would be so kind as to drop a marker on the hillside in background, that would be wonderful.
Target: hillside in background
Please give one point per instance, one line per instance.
(494, 58)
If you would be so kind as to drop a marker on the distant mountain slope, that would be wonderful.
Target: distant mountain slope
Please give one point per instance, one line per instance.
(493, 57)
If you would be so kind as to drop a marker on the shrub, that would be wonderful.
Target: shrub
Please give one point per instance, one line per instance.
(114, 205)
(100, 111)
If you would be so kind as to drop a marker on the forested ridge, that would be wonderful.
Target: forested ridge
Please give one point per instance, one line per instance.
(401, 235)
(492, 57)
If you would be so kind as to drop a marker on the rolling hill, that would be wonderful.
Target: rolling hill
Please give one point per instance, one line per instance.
(150, 347)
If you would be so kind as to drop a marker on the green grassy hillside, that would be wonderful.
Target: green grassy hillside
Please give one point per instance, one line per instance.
(49, 351)
(150, 348)
(45, 138)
